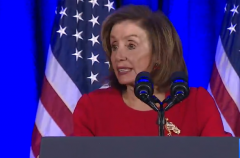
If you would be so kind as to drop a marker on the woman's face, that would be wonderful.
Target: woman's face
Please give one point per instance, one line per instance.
(131, 51)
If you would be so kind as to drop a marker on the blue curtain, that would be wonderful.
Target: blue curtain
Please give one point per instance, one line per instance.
(198, 23)
(25, 34)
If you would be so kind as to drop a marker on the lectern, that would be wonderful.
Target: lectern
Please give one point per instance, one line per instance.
(139, 147)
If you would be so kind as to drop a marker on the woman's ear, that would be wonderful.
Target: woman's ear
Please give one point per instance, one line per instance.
(156, 66)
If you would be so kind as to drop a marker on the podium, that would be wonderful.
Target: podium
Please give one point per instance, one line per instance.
(139, 147)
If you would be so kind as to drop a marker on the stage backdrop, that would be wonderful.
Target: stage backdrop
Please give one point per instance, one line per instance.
(26, 30)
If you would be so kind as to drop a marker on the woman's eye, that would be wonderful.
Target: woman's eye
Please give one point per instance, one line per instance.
(114, 47)
(131, 46)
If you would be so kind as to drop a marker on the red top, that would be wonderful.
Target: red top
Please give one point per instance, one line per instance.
(104, 113)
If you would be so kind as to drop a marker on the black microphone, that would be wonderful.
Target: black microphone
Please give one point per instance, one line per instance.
(143, 89)
(179, 88)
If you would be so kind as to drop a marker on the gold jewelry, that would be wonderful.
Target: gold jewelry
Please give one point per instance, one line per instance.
(171, 127)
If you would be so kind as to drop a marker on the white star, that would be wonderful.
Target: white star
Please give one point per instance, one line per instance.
(94, 20)
(94, 2)
(62, 31)
(63, 12)
(78, 35)
(109, 5)
(94, 58)
(235, 9)
(78, 16)
(77, 54)
(93, 77)
(232, 28)
(79, 0)
(94, 39)
(107, 62)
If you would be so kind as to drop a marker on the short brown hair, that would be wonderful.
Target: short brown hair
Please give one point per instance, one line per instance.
(165, 43)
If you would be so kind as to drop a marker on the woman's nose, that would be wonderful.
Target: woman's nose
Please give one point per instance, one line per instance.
(120, 55)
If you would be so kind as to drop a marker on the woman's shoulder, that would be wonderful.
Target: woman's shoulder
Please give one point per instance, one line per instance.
(99, 98)
(198, 98)
(199, 92)
(201, 98)
(100, 95)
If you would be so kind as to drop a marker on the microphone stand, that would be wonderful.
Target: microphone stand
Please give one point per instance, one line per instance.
(161, 112)
(161, 118)
(152, 100)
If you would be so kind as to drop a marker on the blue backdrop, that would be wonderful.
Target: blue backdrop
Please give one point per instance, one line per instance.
(25, 33)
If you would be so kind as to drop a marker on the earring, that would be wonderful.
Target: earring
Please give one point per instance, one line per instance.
(156, 66)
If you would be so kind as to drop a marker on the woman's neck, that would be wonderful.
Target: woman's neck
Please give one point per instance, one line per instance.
(132, 101)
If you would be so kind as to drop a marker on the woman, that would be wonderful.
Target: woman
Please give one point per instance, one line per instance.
(135, 40)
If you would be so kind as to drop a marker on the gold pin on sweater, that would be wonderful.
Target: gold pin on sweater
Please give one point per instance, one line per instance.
(171, 127)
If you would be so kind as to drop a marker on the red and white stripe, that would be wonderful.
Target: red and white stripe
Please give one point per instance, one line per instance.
(225, 89)
(56, 105)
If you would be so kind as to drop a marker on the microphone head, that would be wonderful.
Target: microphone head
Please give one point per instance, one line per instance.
(143, 86)
(179, 75)
(179, 84)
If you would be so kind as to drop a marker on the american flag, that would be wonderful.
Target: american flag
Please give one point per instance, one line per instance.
(225, 81)
(76, 64)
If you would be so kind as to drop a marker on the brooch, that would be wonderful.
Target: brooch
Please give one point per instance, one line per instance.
(170, 127)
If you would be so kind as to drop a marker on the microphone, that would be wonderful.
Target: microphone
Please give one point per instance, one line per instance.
(143, 89)
(179, 88)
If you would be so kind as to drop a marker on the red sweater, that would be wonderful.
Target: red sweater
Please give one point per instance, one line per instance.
(104, 113)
